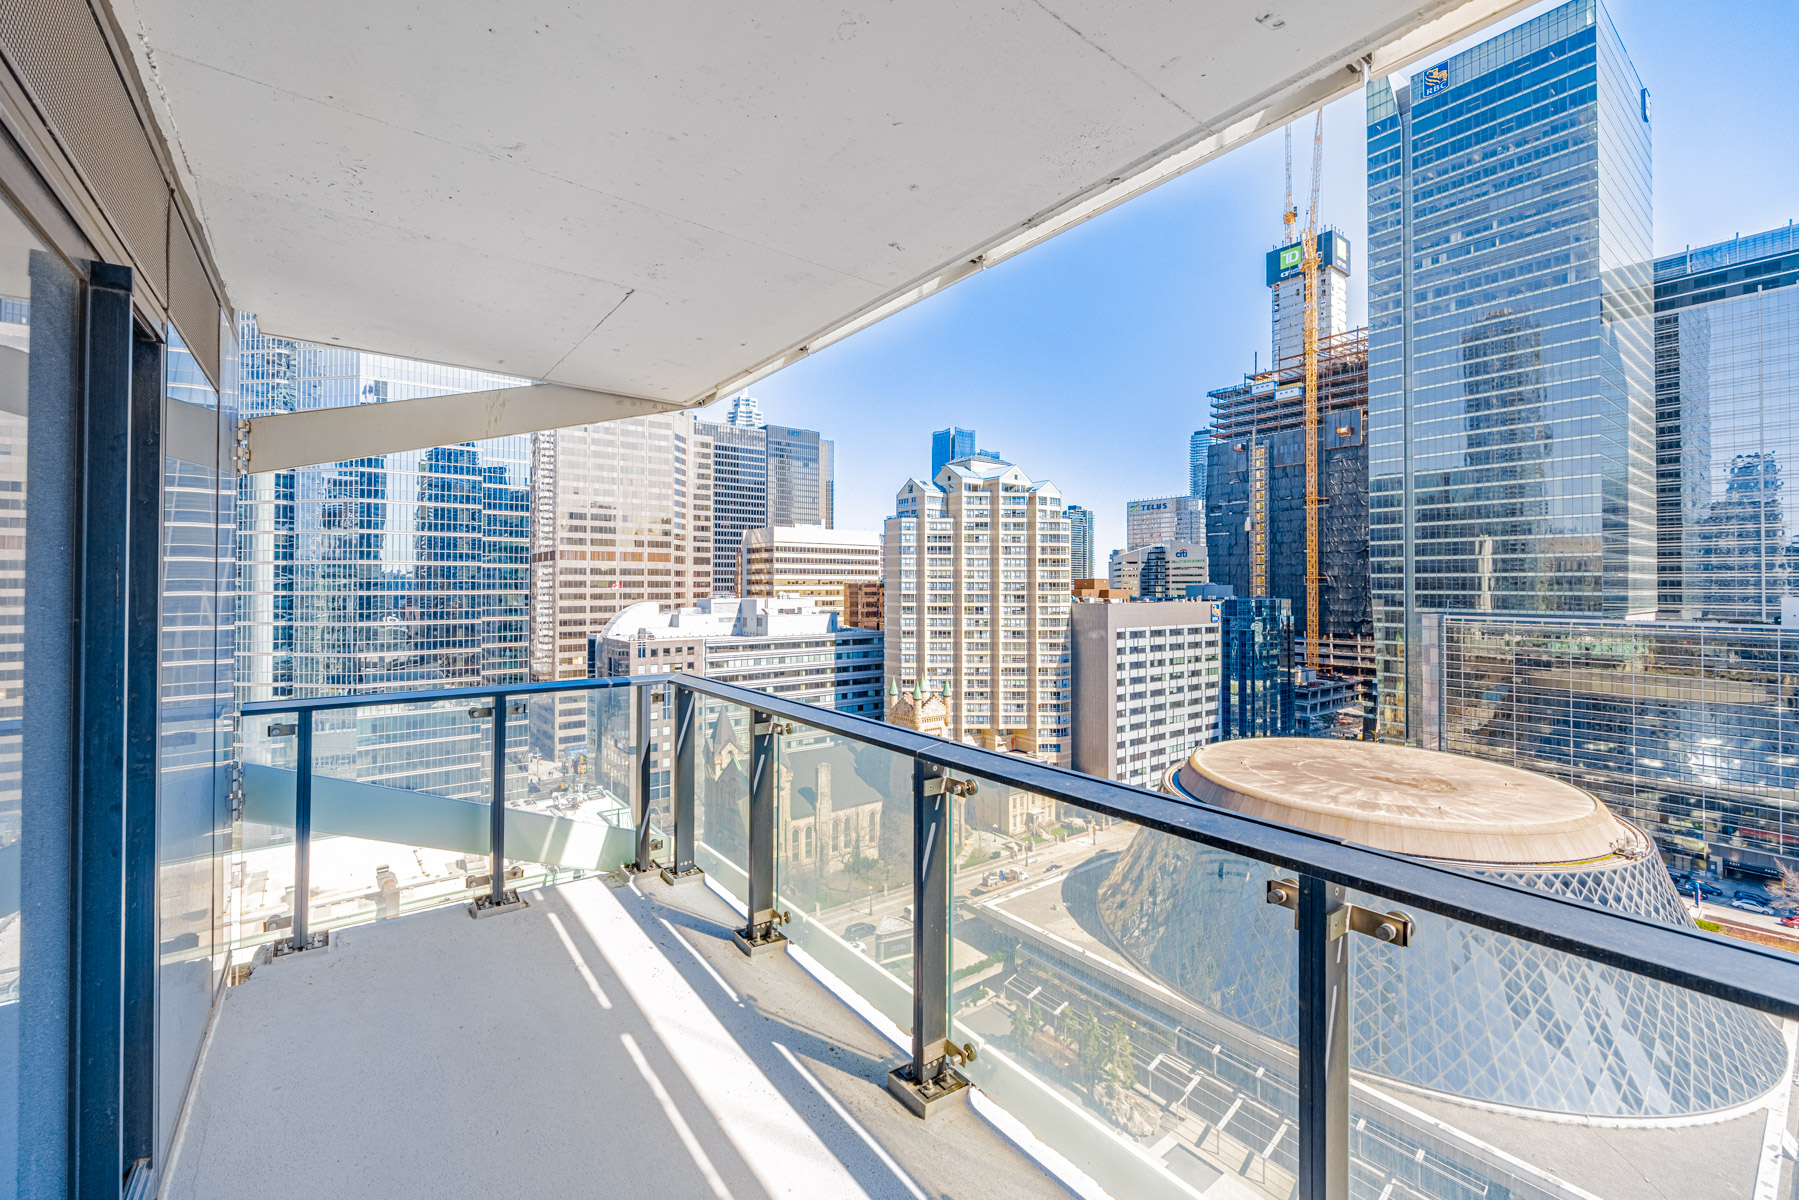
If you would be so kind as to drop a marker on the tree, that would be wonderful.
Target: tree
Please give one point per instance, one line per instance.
(1071, 1025)
(1025, 1022)
(1785, 894)
(1121, 1062)
(1093, 1048)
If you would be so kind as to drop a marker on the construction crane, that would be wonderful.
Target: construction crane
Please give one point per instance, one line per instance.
(1309, 238)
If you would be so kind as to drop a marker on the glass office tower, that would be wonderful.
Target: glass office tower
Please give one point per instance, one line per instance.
(1255, 674)
(947, 445)
(1726, 389)
(1080, 548)
(739, 497)
(1511, 410)
(801, 489)
(393, 571)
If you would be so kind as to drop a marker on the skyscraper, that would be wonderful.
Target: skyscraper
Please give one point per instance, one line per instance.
(800, 484)
(1726, 393)
(1511, 414)
(622, 514)
(739, 494)
(1080, 541)
(1286, 282)
(1256, 496)
(947, 445)
(1164, 519)
(1198, 447)
(977, 593)
(763, 475)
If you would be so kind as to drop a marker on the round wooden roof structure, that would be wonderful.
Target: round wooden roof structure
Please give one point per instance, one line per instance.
(1419, 802)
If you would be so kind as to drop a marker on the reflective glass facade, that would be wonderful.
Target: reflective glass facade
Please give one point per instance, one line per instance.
(1255, 681)
(1726, 389)
(1685, 729)
(1510, 399)
(397, 571)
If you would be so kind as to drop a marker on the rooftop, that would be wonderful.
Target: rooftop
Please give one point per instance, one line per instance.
(1422, 802)
(722, 617)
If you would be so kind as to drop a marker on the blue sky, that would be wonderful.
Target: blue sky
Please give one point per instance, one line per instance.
(1086, 360)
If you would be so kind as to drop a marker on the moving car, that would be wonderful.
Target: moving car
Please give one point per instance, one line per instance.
(859, 931)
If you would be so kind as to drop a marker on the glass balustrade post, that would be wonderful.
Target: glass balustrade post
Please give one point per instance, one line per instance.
(496, 814)
(682, 868)
(759, 933)
(301, 939)
(928, 1079)
(1323, 1041)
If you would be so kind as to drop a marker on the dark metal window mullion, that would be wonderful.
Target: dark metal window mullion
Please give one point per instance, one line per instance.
(143, 686)
(97, 899)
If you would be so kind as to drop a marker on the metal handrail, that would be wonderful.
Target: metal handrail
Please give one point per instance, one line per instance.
(1731, 970)
(1739, 972)
(257, 708)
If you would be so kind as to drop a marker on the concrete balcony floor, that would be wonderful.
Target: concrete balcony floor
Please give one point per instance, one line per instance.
(605, 1040)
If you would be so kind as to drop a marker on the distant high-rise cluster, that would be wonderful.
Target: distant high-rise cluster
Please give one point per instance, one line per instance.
(763, 475)
(400, 570)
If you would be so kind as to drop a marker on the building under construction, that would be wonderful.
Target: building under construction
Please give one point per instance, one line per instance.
(1256, 474)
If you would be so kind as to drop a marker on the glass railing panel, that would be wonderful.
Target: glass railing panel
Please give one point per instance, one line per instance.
(1485, 1066)
(262, 866)
(1130, 995)
(843, 866)
(721, 808)
(400, 795)
(568, 785)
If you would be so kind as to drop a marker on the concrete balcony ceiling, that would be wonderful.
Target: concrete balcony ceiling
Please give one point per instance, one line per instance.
(669, 200)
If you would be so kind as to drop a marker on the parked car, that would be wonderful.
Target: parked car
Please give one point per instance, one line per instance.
(1740, 894)
(1707, 889)
(859, 931)
(1752, 906)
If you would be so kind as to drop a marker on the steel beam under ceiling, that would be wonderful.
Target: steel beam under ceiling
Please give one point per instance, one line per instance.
(282, 441)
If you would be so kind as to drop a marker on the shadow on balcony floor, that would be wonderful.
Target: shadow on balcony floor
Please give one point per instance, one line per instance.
(569, 1049)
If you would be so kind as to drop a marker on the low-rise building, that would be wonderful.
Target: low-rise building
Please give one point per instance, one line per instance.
(809, 562)
(864, 604)
(1145, 685)
(1161, 571)
(788, 648)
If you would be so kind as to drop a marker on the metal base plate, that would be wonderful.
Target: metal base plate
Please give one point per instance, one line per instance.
(922, 1101)
(485, 907)
(674, 879)
(285, 947)
(771, 941)
(634, 869)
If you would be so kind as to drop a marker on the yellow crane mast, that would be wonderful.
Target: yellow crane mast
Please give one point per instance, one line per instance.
(1309, 264)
